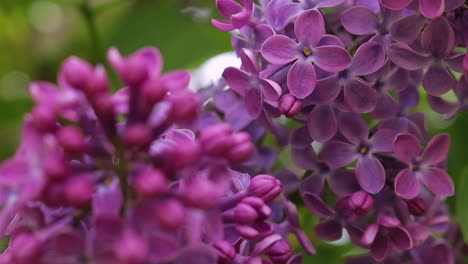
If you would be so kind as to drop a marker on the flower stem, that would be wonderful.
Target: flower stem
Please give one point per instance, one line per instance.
(90, 20)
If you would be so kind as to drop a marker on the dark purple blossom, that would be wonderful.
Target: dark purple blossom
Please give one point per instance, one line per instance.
(436, 58)
(422, 166)
(361, 147)
(305, 53)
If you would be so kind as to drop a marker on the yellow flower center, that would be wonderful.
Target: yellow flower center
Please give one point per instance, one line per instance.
(306, 51)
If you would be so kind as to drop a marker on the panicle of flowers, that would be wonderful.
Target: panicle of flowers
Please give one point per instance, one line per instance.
(134, 176)
(347, 73)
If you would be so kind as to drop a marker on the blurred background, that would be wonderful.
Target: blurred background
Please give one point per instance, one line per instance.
(36, 35)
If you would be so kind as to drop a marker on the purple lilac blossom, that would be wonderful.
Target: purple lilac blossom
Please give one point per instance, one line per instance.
(372, 165)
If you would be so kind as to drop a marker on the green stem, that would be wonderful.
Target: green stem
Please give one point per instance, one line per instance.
(90, 19)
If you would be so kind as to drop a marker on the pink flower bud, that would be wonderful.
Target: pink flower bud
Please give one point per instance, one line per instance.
(289, 105)
(361, 202)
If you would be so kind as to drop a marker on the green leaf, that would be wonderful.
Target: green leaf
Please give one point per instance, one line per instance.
(461, 199)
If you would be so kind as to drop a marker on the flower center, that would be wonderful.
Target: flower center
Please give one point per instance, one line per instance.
(363, 149)
(307, 52)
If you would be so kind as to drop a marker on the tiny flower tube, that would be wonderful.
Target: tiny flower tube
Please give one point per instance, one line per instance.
(361, 202)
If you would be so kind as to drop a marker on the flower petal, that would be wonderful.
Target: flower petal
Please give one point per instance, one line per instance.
(382, 140)
(359, 96)
(279, 49)
(436, 150)
(338, 154)
(271, 90)
(370, 234)
(380, 248)
(321, 123)
(227, 8)
(353, 127)
(331, 58)
(437, 80)
(385, 108)
(301, 79)
(440, 252)
(431, 8)
(438, 37)
(370, 174)
(315, 204)
(343, 182)
(222, 25)
(249, 63)
(406, 29)
(369, 58)
(359, 20)
(238, 80)
(254, 102)
(395, 4)
(407, 148)
(407, 185)
(405, 57)
(400, 238)
(329, 230)
(325, 92)
(438, 181)
(309, 28)
(278, 13)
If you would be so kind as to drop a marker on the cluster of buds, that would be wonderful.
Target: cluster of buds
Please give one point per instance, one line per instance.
(133, 176)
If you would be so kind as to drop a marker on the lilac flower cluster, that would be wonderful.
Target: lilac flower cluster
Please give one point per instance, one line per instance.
(347, 74)
(134, 176)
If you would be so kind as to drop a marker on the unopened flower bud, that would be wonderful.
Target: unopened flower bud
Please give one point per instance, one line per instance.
(137, 136)
(98, 83)
(53, 194)
(361, 202)
(55, 167)
(77, 72)
(134, 71)
(225, 251)
(202, 193)
(151, 183)
(44, 118)
(280, 252)
(417, 206)
(153, 92)
(251, 209)
(242, 148)
(171, 214)
(131, 249)
(184, 105)
(25, 248)
(265, 186)
(216, 140)
(186, 155)
(78, 191)
(71, 139)
(289, 105)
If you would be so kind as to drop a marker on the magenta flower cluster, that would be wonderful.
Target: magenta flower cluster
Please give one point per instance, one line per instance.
(156, 173)
(134, 176)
